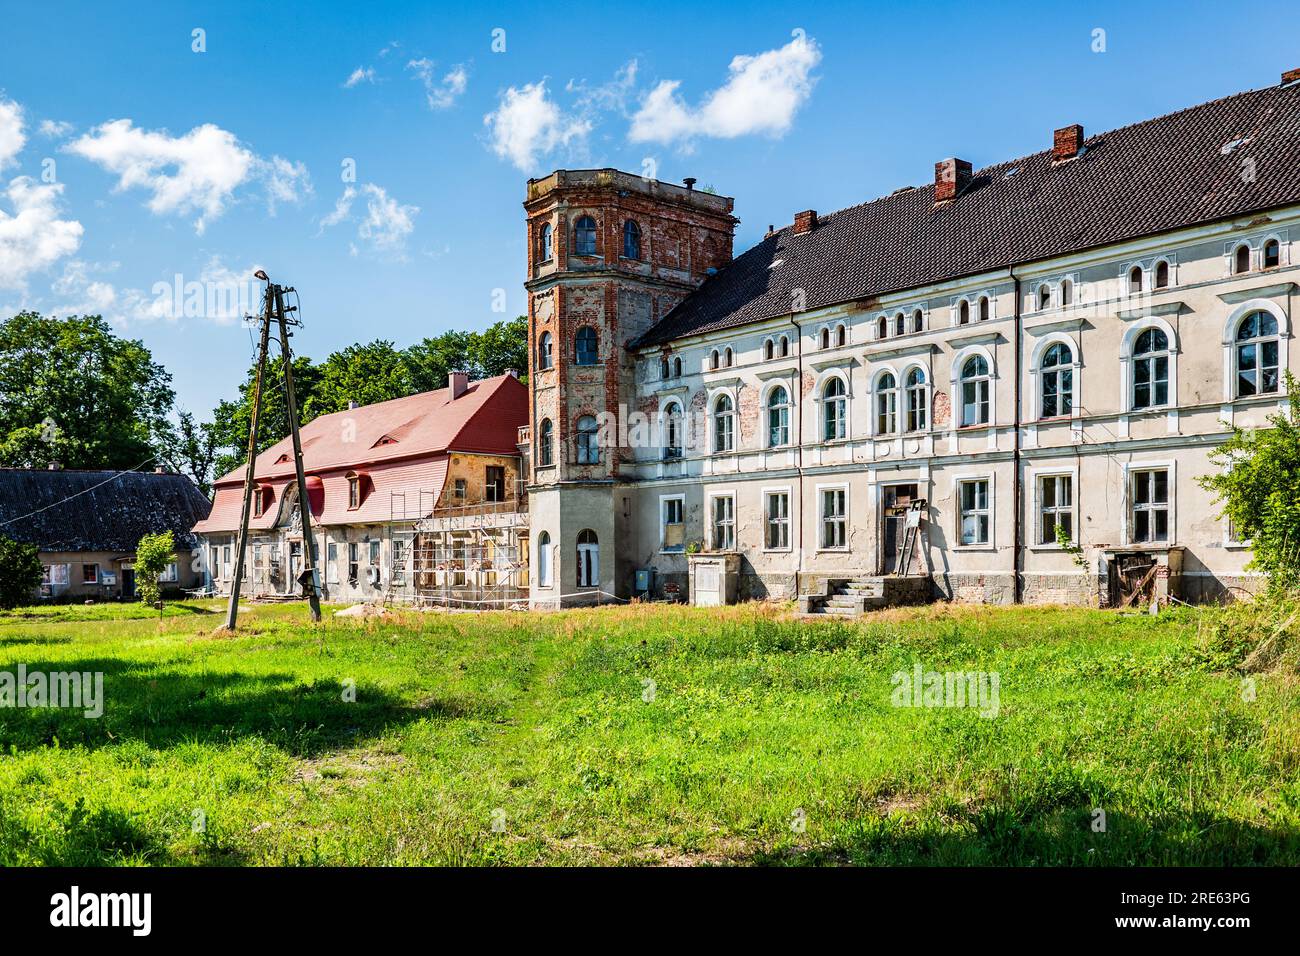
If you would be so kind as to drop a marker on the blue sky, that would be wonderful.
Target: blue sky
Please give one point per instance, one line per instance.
(168, 161)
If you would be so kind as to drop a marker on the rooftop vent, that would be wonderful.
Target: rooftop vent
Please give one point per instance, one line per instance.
(55, 466)
(951, 176)
(690, 182)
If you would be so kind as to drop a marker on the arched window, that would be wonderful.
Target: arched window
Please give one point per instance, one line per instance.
(918, 321)
(545, 443)
(545, 352)
(841, 335)
(584, 346)
(778, 417)
(835, 424)
(769, 349)
(1135, 279)
(631, 240)
(900, 324)
(1272, 254)
(785, 346)
(984, 308)
(1044, 296)
(1067, 292)
(545, 243)
(663, 367)
(584, 236)
(1162, 274)
(588, 559)
(975, 391)
(886, 404)
(1257, 355)
(713, 359)
(677, 366)
(673, 430)
(918, 404)
(544, 559)
(1151, 370)
(963, 313)
(588, 441)
(727, 357)
(1056, 381)
(724, 424)
(1241, 259)
(826, 338)
(882, 327)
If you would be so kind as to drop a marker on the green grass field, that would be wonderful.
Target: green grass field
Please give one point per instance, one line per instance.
(508, 738)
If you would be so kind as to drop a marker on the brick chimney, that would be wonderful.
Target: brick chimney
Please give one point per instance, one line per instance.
(951, 176)
(458, 382)
(1067, 143)
(1290, 76)
(159, 470)
(805, 221)
(55, 465)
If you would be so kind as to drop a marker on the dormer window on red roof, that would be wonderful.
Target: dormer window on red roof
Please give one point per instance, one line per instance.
(263, 495)
(385, 440)
(358, 488)
(282, 460)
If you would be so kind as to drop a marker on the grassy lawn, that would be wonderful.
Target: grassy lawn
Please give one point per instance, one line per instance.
(766, 739)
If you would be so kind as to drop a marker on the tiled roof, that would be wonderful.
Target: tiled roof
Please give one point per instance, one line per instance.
(1152, 177)
(97, 510)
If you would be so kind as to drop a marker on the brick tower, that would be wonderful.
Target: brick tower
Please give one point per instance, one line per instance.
(609, 254)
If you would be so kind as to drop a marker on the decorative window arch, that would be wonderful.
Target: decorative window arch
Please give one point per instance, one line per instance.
(1255, 339)
(588, 433)
(672, 430)
(665, 370)
(545, 351)
(1155, 368)
(882, 327)
(1044, 297)
(714, 359)
(885, 392)
(785, 346)
(1163, 275)
(769, 350)
(1241, 258)
(973, 373)
(835, 408)
(841, 335)
(963, 312)
(588, 559)
(585, 351)
(631, 240)
(918, 320)
(545, 243)
(1271, 256)
(545, 443)
(1067, 292)
(677, 366)
(1135, 283)
(584, 236)
(916, 391)
(777, 405)
(724, 423)
(1055, 368)
(728, 357)
(900, 324)
(544, 559)
(984, 313)
(824, 338)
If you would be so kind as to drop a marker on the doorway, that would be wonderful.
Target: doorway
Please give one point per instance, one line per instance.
(128, 584)
(895, 501)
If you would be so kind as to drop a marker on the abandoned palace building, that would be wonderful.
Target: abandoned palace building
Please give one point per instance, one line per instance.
(1002, 385)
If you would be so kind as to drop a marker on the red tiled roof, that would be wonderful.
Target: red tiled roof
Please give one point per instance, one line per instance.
(427, 427)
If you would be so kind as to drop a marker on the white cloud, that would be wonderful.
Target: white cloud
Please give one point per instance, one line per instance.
(33, 237)
(440, 94)
(54, 129)
(527, 124)
(762, 94)
(358, 76)
(12, 138)
(607, 96)
(198, 172)
(384, 227)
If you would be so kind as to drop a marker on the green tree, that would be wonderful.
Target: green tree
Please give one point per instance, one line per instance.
(152, 555)
(1259, 487)
(72, 391)
(191, 450)
(431, 361)
(231, 419)
(20, 573)
(504, 346)
(364, 374)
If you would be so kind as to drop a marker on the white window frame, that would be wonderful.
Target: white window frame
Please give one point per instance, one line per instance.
(990, 510)
(1076, 375)
(1036, 476)
(842, 487)
(664, 500)
(1127, 367)
(545, 560)
(891, 396)
(926, 389)
(786, 492)
(788, 406)
(1230, 347)
(1126, 518)
(588, 557)
(823, 405)
(733, 429)
(713, 497)
(958, 383)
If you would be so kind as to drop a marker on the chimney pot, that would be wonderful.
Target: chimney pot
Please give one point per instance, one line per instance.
(512, 372)
(951, 176)
(159, 470)
(690, 183)
(351, 405)
(55, 465)
(805, 221)
(1291, 76)
(458, 382)
(1067, 143)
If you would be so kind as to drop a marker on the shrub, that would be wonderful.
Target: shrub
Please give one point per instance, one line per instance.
(20, 573)
(152, 555)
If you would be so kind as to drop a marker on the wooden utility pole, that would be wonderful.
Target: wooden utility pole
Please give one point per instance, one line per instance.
(310, 577)
(232, 612)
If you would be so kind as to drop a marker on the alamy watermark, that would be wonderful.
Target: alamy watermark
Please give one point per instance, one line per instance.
(64, 690)
(921, 688)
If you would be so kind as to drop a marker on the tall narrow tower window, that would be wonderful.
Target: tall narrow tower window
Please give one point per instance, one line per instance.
(631, 240)
(584, 236)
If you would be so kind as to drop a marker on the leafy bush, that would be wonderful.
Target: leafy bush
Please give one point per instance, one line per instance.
(1259, 635)
(152, 555)
(20, 573)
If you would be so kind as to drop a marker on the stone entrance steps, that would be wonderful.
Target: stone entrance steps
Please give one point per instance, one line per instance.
(854, 596)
